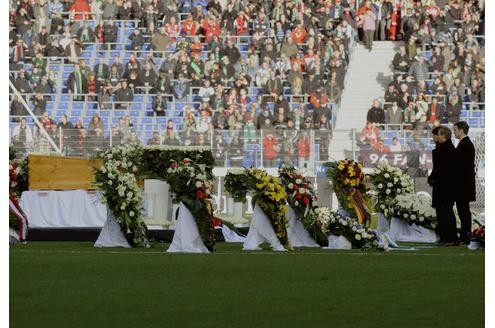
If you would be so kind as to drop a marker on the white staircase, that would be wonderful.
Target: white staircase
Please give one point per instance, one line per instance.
(368, 75)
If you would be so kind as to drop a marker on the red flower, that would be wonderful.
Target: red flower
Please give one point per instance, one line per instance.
(299, 196)
(201, 195)
(216, 222)
(186, 161)
(174, 165)
(306, 200)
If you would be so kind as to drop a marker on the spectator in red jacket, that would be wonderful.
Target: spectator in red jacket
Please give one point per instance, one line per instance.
(81, 10)
(270, 150)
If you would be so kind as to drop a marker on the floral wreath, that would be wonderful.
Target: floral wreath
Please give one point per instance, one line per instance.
(302, 198)
(269, 194)
(387, 182)
(350, 185)
(192, 184)
(415, 208)
(116, 178)
(360, 236)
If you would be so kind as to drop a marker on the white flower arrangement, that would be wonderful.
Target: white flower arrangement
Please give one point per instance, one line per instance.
(332, 222)
(415, 208)
(386, 183)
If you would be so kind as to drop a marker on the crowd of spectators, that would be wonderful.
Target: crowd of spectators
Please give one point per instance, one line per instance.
(292, 52)
(438, 69)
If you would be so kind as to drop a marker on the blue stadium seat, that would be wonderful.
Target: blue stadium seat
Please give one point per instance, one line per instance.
(134, 113)
(75, 113)
(105, 113)
(63, 105)
(64, 97)
(477, 113)
(146, 120)
(136, 105)
(77, 105)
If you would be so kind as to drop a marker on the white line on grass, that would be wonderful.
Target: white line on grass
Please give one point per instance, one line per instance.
(339, 253)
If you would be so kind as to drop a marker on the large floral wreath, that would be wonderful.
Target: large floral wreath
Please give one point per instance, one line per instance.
(269, 194)
(350, 185)
(387, 182)
(117, 179)
(302, 198)
(192, 184)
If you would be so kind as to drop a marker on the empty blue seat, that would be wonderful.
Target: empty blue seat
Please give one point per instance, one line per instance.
(477, 113)
(63, 105)
(119, 113)
(75, 113)
(136, 105)
(105, 113)
(473, 123)
(77, 105)
(134, 113)
(65, 98)
(161, 120)
(146, 120)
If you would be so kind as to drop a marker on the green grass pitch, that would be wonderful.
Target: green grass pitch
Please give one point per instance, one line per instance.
(72, 284)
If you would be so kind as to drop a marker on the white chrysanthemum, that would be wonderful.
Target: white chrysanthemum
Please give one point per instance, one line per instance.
(406, 215)
(399, 190)
(388, 191)
(110, 182)
(131, 214)
(390, 184)
(386, 175)
(382, 206)
(198, 184)
(122, 207)
(290, 185)
(421, 219)
(302, 190)
(413, 216)
(357, 236)
(380, 186)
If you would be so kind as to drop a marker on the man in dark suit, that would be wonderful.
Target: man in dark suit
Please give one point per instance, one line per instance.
(465, 190)
(443, 183)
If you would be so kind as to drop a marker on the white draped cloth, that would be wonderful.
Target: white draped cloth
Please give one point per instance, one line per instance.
(186, 237)
(298, 235)
(231, 236)
(111, 235)
(338, 242)
(260, 231)
(63, 209)
(402, 231)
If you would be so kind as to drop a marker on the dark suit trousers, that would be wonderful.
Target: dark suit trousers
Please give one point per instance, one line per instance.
(446, 221)
(368, 38)
(465, 216)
